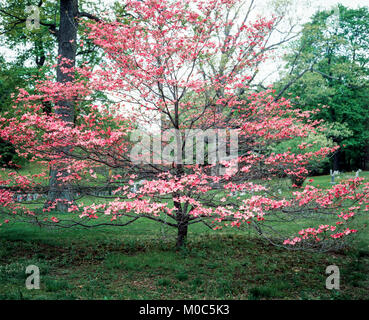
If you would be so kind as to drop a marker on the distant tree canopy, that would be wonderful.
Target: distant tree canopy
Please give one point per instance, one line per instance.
(40, 45)
(329, 66)
(12, 76)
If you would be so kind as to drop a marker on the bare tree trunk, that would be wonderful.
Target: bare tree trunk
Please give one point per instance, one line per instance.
(67, 38)
(181, 216)
(182, 223)
(182, 234)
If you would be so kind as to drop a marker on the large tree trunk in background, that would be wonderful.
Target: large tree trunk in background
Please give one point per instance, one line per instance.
(67, 39)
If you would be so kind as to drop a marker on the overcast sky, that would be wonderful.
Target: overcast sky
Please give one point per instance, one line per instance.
(300, 12)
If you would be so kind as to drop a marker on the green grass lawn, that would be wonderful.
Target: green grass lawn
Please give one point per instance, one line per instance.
(140, 262)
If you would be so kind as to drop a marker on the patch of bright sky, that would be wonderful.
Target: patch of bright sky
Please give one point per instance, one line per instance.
(300, 12)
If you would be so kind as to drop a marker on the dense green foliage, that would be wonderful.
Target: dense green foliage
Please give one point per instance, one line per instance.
(311, 143)
(329, 66)
(39, 46)
(12, 76)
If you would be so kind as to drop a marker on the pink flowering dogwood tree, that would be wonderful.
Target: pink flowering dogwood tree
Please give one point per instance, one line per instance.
(186, 63)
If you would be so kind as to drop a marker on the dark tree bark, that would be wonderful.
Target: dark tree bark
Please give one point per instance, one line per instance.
(67, 39)
(182, 234)
(182, 219)
(182, 216)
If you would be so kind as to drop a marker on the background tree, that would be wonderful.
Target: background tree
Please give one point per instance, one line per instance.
(328, 66)
(12, 76)
(302, 145)
(55, 40)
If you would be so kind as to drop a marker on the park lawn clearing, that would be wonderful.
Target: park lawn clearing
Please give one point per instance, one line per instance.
(141, 263)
